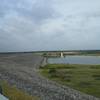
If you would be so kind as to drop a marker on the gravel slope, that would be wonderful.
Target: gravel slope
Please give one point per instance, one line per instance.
(22, 70)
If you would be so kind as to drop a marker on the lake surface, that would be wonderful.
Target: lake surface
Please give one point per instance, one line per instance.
(75, 60)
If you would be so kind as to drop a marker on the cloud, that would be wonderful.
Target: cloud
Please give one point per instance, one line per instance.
(27, 25)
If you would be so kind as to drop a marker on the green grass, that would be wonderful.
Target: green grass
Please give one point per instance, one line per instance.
(85, 78)
(13, 93)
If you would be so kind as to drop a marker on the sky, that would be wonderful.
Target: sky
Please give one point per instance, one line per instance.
(35, 25)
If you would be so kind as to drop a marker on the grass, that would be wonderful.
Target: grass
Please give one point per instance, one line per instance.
(13, 93)
(85, 78)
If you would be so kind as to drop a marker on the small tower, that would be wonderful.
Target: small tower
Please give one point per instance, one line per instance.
(62, 55)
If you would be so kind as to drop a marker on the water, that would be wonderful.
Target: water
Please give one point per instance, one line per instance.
(75, 60)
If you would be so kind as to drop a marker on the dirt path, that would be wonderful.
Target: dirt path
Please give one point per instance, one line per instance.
(22, 70)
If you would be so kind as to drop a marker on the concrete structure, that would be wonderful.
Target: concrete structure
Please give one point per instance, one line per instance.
(62, 55)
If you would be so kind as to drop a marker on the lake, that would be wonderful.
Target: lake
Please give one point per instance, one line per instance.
(75, 60)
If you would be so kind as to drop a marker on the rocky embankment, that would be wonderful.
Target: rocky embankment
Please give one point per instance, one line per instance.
(22, 70)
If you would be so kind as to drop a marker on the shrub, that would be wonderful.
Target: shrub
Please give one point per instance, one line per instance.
(96, 76)
(70, 67)
(65, 77)
(52, 71)
(68, 80)
(95, 67)
(85, 84)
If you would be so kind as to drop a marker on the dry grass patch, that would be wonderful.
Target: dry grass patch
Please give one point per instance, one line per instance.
(13, 93)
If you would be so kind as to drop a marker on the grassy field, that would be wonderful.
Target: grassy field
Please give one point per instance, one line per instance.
(85, 78)
(14, 94)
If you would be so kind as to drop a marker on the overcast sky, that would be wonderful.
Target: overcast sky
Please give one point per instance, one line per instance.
(27, 25)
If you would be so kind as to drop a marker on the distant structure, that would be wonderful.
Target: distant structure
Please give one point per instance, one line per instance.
(62, 55)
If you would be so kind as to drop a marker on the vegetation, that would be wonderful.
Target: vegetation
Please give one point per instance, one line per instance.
(85, 78)
(14, 94)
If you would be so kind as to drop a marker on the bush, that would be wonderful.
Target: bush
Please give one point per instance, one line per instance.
(70, 67)
(52, 71)
(95, 67)
(96, 76)
(44, 54)
(66, 78)
(85, 84)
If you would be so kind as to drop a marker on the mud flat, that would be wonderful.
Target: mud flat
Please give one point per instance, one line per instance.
(22, 70)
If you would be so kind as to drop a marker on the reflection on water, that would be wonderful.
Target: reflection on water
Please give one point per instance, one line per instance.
(75, 60)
